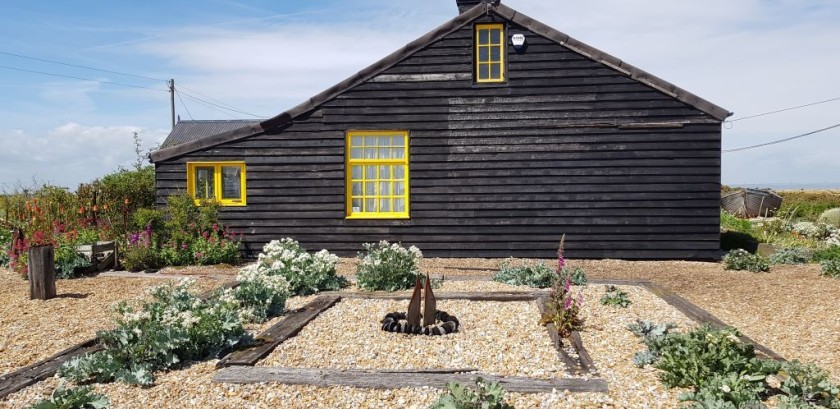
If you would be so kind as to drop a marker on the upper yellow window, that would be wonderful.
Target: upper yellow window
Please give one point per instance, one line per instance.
(223, 182)
(489, 53)
(377, 175)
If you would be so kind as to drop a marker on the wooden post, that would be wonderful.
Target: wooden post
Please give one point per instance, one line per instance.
(41, 272)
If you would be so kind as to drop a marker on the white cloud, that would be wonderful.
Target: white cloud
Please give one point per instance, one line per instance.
(69, 154)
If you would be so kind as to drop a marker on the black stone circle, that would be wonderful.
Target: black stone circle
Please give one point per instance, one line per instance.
(396, 322)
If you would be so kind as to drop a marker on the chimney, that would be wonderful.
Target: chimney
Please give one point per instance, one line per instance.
(464, 5)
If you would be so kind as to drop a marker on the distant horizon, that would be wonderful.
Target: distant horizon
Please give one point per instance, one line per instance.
(787, 185)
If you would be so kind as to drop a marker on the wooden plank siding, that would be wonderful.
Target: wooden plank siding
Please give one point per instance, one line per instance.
(495, 170)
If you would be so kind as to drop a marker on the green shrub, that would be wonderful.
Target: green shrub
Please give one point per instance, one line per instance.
(830, 217)
(731, 222)
(808, 205)
(808, 383)
(826, 253)
(306, 273)
(123, 193)
(527, 273)
(74, 398)
(790, 256)
(740, 259)
(577, 274)
(488, 396)
(388, 267)
(175, 326)
(141, 253)
(68, 262)
(728, 390)
(149, 217)
(5, 246)
(615, 297)
(830, 268)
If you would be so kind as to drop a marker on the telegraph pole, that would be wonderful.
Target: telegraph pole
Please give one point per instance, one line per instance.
(172, 100)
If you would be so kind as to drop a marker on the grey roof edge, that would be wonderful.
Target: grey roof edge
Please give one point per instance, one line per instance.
(328, 94)
(409, 49)
(631, 71)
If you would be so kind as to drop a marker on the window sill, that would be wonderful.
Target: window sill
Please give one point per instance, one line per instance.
(379, 217)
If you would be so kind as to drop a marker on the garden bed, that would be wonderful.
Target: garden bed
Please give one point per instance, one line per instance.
(799, 323)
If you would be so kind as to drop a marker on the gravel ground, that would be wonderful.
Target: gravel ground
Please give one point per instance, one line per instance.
(34, 330)
(791, 310)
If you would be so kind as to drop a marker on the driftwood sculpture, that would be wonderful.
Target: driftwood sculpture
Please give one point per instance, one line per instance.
(410, 322)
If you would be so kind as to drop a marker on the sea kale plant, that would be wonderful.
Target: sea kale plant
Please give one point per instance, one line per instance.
(740, 259)
(830, 268)
(82, 397)
(563, 309)
(386, 266)
(615, 297)
(259, 295)
(305, 273)
(490, 395)
(790, 256)
(532, 274)
(577, 275)
(174, 327)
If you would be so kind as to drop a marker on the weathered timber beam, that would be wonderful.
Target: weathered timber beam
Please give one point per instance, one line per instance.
(395, 379)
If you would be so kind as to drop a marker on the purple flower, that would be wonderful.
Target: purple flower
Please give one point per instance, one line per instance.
(134, 238)
(183, 246)
(149, 230)
(568, 302)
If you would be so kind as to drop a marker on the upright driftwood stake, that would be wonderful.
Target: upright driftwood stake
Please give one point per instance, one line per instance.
(41, 273)
(414, 305)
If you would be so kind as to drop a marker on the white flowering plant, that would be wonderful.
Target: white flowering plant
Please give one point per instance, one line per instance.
(175, 326)
(260, 295)
(386, 266)
(305, 273)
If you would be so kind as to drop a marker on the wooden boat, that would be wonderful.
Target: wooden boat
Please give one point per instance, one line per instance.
(751, 203)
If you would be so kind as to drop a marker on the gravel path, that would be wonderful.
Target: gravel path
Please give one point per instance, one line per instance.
(33, 330)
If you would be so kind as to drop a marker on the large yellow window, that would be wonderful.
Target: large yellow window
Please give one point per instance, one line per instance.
(377, 175)
(489, 53)
(223, 182)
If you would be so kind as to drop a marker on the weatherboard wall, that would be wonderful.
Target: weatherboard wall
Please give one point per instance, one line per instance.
(566, 145)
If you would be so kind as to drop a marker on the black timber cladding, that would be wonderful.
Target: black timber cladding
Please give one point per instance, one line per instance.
(567, 145)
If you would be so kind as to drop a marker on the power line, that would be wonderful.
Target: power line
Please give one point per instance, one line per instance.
(208, 106)
(209, 98)
(78, 78)
(782, 140)
(182, 103)
(786, 109)
(80, 66)
(220, 106)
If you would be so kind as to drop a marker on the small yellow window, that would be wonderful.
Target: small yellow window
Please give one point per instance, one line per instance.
(223, 182)
(377, 175)
(489, 53)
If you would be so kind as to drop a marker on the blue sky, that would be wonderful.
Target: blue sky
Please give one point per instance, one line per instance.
(263, 57)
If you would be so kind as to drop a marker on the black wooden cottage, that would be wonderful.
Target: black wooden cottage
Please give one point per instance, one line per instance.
(490, 136)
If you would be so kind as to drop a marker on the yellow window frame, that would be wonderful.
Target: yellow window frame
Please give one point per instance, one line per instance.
(217, 182)
(489, 46)
(350, 162)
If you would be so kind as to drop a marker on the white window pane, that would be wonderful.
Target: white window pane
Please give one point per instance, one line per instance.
(399, 172)
(370, 141)
(399, 188)
(397, 153)
(384, 172)
(384, 205)
(398, 140)
(384, 153)
(399, 205)
(356, 153)
(370, 153)
(356, 141)
(356, 173)
(384, 141)
(370, 189)
(370, 172)
(231, 182)
(357, 205)
(370, 205)
(357, 189)
(384, 188)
